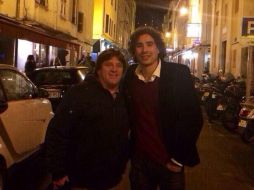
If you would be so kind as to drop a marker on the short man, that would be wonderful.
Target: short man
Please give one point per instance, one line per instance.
(165, 114)
(87, 140)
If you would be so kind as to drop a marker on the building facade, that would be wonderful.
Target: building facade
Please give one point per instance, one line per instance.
(189, 23)
(232, 45)
(113, 22)
(125, 22)
(45, 29)
(215, 36)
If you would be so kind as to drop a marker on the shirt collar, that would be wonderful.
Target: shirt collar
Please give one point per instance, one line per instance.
(156, 73)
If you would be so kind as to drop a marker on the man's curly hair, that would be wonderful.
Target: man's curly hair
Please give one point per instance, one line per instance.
(154, 34)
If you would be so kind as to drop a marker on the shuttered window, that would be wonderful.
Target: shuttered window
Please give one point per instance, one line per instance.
(80, 21)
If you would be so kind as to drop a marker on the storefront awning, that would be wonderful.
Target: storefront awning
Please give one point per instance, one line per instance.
(16, 29)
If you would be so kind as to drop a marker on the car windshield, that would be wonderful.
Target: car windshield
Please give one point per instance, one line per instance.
(54, 77)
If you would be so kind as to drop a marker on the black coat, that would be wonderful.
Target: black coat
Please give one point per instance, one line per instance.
(30, 66)
(180, 113)
(88, 137)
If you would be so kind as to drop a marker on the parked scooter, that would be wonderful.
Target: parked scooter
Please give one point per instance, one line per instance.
(205, 87)
(213, 104)
(229, 106)
(246, 119)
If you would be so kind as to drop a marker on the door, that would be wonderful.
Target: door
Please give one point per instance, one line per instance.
(223, 56)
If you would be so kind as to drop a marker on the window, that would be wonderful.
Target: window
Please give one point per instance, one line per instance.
(80, 21)
(54, 77)
(110, 26)
(107, 24)
(63, 8)
(74, 12)
(16, 86)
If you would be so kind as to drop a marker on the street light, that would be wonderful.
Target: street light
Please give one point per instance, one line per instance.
(168, 35)
(183, 11)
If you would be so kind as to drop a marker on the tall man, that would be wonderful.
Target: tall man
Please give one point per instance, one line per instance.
(165, 114)
(87, 140)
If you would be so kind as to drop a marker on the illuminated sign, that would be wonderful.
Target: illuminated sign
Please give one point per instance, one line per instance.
(248, 26)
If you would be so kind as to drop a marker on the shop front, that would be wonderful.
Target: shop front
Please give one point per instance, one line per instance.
(18, 40)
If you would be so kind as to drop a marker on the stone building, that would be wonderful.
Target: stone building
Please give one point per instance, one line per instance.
(45, 29)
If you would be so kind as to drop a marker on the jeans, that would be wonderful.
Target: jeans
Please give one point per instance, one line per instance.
(148, 175)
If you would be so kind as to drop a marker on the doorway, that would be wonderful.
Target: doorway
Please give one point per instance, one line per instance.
(250, 73)
(223, 56)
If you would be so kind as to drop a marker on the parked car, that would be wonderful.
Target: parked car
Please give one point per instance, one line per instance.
(24, 117)
(57, 80)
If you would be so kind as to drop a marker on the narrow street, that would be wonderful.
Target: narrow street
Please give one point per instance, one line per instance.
(226, 162)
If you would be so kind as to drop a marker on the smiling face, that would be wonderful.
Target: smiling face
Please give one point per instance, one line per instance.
(110, 73)
(146, 51)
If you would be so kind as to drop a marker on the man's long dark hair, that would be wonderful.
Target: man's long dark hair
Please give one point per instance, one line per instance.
(154, 34)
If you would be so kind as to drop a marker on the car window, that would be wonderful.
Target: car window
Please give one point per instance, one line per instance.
(54, 77)
(16, 86)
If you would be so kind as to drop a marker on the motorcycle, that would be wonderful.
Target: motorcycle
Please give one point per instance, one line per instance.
(205, 87)
(246, 119)
(229, 106)
(214, 98)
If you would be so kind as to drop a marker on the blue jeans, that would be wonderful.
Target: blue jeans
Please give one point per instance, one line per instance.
(146, 174)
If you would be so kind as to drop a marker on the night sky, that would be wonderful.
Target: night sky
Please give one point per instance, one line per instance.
(151, 12)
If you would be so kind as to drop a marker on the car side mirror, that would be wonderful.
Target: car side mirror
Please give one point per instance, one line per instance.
(42, 93)
(3, 106)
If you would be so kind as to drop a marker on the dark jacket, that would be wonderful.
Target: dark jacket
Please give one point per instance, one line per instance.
(180, 113)
(88, 137)
(30, 66)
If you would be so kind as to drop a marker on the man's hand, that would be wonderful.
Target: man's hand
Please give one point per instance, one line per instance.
(173, 167)
(60, 182)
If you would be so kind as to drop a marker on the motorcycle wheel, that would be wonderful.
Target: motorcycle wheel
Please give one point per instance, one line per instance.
(229, 120)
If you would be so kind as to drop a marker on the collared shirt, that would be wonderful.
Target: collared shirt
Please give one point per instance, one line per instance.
(156, 73)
